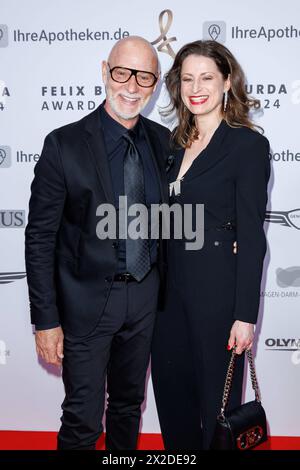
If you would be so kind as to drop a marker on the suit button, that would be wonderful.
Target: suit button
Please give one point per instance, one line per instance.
(108, 279)
(216, 243)
(115, 245)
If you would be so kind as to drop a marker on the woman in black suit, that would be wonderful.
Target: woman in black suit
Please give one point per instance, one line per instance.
(221, 161)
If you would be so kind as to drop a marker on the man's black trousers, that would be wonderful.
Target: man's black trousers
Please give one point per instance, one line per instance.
(118, 350)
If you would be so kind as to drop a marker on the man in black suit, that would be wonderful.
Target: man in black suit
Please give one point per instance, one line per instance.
(93, 301)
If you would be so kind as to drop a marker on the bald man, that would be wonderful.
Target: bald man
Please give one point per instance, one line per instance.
(93, 298)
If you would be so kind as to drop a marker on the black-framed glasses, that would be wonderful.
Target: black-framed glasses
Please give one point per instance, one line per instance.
(123, 75)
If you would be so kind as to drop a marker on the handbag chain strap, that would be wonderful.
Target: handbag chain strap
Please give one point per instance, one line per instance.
(229, 377)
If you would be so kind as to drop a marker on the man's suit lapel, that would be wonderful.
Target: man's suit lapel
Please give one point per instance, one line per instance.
(95, 142)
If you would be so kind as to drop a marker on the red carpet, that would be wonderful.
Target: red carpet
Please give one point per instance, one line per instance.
(32, 440)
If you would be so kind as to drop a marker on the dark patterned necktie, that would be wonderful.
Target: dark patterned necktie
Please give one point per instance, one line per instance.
(137, 250)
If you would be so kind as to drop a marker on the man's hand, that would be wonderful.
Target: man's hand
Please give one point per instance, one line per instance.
(241, 336)
(49, 345)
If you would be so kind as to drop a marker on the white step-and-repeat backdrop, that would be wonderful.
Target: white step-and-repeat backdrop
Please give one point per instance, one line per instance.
(50, 75)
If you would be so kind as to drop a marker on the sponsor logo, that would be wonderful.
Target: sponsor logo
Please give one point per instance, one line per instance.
(285, 218)
(5, 156)
(214, 30)
(217, 31)
(289, 277)
(21, 157)
(12, 218)
(282, 344)
(162, 40)
(264, 33)
(285, 279)
(7, 278)
(69, 35)
(291, 345)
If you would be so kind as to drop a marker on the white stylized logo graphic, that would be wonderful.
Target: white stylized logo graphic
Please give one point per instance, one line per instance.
(165, 44)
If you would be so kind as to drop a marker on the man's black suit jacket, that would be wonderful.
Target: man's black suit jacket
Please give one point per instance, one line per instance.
(69, 269)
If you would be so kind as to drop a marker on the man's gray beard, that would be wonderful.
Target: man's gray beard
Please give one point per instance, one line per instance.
(126, 117)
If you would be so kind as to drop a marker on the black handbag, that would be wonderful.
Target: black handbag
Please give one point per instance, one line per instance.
(243, 427)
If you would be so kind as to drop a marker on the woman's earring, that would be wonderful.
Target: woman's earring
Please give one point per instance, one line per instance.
(225, 100)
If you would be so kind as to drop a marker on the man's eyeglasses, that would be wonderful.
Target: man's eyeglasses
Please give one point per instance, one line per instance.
(123, 75)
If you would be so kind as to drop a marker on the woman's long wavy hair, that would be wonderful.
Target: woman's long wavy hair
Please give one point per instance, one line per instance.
(238, 104)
